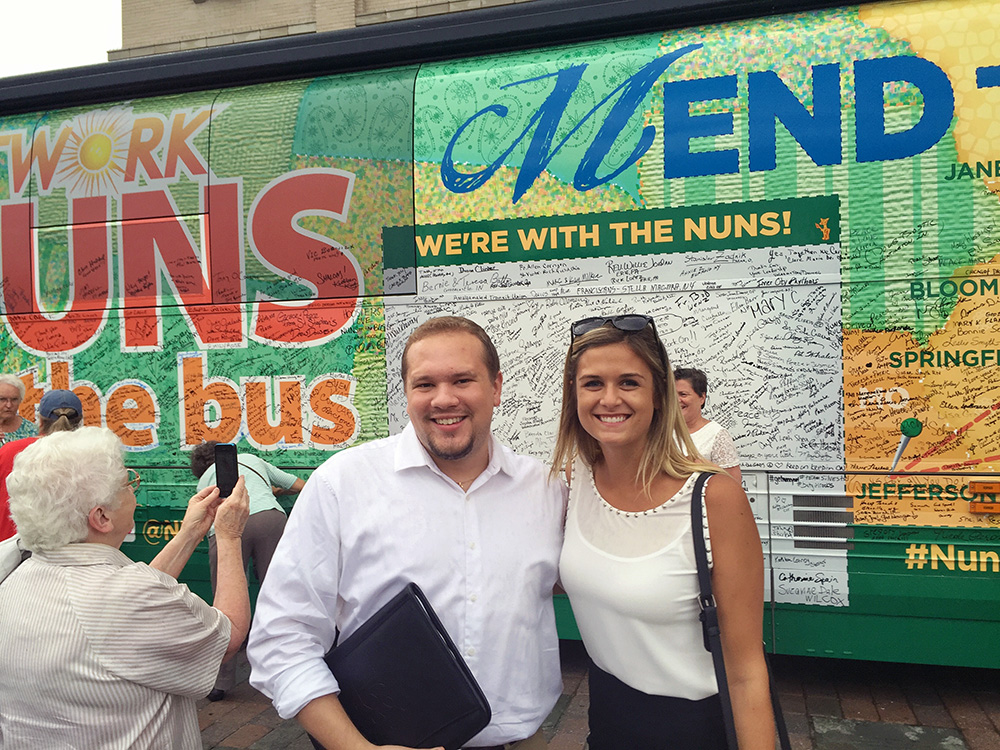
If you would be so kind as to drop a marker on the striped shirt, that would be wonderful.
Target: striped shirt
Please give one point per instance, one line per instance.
(102, 653)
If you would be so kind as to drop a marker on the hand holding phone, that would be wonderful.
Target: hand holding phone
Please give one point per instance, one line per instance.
(226, 468)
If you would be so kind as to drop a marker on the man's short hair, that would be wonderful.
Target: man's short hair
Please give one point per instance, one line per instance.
(454, 324)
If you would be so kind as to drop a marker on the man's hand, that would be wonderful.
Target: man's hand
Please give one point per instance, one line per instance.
(330, 726)
(231, 515)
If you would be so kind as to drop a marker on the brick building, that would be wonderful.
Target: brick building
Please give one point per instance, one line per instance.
(151, 27)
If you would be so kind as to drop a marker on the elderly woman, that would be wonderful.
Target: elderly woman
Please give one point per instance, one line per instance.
(712, 440)
(12, 425)
(97, 651)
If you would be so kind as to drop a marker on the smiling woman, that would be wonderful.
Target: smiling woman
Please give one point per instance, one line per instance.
(628, 558)
(712, 440)
(614, 392)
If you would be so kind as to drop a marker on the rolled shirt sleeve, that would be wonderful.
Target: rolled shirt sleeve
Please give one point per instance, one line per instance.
(294, 624)
(380, 515)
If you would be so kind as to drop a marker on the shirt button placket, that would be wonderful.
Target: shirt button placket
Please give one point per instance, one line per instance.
(473, 581)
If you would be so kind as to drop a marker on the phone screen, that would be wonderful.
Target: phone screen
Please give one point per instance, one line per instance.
(226, 471)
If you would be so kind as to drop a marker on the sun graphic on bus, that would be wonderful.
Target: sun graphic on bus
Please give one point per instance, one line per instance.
(93, 162)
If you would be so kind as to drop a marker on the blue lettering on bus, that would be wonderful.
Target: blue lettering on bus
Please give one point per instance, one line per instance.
(545, 122)
(769, 100)
(870, 77)
(680, 126)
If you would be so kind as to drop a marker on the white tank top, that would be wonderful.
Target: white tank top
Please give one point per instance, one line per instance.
(632, 581)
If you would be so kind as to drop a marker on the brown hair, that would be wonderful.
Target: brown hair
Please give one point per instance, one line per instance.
(668, 448)
(454, 324)
(697, 379)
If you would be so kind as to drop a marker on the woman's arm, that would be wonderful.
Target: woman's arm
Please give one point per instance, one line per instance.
(295, 489)
(197, 521)
(231, 595)
(738, 585)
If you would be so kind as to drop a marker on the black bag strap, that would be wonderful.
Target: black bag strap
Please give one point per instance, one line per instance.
(709, 613)
(710, 627)
(250, 468)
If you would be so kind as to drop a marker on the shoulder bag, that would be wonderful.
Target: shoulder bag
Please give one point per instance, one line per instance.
(710, 626)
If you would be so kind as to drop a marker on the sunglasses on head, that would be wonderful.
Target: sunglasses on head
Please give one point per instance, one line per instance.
(627, 323)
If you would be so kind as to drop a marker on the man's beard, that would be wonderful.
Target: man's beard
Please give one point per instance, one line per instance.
(454, 454)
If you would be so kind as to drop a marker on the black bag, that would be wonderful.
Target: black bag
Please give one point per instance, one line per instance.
(403, 681)
(713, 636)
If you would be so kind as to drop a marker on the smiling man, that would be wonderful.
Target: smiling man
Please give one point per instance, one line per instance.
(442, 504)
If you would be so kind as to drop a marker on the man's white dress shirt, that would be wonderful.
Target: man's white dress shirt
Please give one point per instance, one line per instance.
(102, 653)
(379, 515)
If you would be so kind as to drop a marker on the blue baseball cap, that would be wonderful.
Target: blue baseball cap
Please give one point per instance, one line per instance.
(59, 400)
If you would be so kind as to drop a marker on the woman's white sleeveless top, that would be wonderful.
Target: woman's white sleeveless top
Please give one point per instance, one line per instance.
(632, 581)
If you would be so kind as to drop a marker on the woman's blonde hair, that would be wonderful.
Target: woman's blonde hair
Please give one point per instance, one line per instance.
(668, 449)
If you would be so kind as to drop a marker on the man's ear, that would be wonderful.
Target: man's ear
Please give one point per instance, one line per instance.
(99, 520)
(497, 387)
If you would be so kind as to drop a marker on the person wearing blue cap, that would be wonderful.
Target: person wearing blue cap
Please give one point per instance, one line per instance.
(58, 411)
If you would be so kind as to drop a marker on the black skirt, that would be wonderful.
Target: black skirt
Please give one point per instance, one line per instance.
(623, 718)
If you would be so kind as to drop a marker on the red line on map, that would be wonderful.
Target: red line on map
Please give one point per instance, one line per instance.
(941, 444)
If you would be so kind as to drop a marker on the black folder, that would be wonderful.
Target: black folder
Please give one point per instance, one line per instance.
(403, 681)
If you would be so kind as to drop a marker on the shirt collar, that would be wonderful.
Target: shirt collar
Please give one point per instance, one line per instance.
(411, 454)
(83, 553)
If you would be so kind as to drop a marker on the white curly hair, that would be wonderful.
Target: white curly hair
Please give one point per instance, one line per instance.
(58, 479)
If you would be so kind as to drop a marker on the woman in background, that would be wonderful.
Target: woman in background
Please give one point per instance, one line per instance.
(628, 561)
(263, 529)
(12, 425)
(711, 439)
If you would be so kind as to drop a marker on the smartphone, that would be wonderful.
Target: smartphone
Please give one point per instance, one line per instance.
(226, 471)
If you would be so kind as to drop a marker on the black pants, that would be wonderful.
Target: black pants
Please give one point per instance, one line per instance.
(260, 537)
(622, 717)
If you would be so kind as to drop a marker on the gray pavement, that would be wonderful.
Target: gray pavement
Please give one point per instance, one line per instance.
(829, 704)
